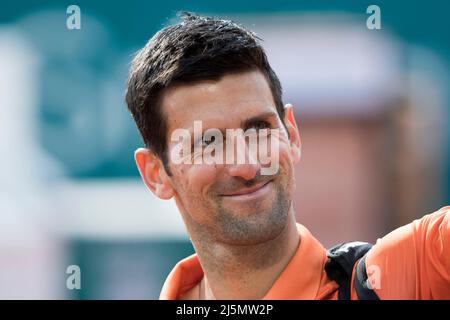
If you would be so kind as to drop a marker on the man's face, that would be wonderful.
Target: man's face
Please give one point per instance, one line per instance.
(233, 203)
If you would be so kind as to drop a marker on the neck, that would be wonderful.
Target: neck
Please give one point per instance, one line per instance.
(245, 272)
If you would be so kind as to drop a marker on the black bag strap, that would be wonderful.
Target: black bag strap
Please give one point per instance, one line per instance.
(339, 267)
(362, 285)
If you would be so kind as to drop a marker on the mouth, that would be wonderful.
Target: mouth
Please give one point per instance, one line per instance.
(256, 191)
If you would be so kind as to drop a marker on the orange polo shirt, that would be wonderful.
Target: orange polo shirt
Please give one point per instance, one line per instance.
(412, 262)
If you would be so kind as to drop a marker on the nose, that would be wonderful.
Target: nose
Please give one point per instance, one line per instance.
(245, 171)
(250, 167)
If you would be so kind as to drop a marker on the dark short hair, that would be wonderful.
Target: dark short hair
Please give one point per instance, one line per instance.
(196, 49)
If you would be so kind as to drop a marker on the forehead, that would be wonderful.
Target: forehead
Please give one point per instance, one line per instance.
(222, 103)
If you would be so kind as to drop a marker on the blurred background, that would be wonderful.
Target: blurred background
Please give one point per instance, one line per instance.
(372, 107)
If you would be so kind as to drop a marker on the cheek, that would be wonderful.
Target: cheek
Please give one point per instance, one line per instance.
(287, 165)
(285, 156)
(285, 152)
(201, 176)
(195, 178)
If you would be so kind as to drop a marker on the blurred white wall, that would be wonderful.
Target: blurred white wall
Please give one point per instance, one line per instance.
(29, 254)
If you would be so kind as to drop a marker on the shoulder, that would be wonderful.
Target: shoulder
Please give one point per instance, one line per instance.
(411, 261)
(191, 294)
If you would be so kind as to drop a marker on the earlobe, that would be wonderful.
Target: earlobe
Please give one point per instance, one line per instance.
(150, 167)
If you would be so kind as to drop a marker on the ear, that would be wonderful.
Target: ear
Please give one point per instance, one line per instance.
(153, 173)
(294, 136)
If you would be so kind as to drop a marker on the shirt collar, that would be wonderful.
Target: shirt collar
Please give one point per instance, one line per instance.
(299, 280)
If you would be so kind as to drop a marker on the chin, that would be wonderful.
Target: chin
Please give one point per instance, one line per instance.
(257, 227)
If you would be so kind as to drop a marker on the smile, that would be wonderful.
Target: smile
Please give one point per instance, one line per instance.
(254, 192)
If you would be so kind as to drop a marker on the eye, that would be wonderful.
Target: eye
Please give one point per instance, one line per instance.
(207, 140)
(260, 125)
(211, 136)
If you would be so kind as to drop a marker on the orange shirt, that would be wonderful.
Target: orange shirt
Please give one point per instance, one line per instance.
(412, 262)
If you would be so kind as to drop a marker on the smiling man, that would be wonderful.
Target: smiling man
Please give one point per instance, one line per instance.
(241, 221)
